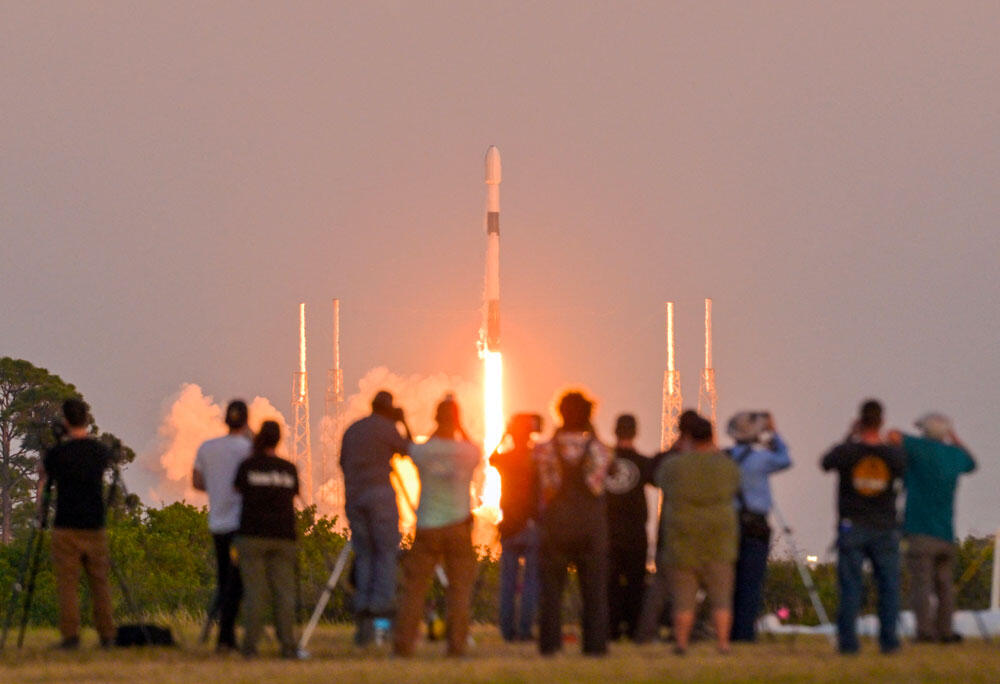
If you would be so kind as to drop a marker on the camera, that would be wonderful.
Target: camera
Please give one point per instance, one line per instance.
(397, 414)
(750, 426)
(58, 429)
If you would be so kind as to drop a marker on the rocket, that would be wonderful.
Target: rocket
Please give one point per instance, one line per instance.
(492, 249)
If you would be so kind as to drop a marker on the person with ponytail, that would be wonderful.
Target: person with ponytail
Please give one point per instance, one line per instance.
(445, 464)
(266, 540)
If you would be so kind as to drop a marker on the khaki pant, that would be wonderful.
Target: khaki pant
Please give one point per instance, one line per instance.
(715, 578)
(71, 550)
(452, 545)
(930, 560)
(267, 566)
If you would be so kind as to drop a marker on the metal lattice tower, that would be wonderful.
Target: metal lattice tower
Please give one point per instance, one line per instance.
(331, 476)
(707, 397)
(671, 390)
(301, 438)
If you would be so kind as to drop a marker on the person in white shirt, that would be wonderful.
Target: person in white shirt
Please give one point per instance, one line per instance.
(215, 469)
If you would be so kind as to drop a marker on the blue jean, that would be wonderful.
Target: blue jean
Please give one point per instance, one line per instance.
(881, 547)
(751, 567)
(374, 521)
(524, 545)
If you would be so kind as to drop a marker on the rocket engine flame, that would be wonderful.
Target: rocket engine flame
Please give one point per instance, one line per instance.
(493, 432)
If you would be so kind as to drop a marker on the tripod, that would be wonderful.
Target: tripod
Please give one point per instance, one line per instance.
(324, 598)
(804, 573)
(30, 563)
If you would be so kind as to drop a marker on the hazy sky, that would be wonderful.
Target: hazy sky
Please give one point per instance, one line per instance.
(175, 177)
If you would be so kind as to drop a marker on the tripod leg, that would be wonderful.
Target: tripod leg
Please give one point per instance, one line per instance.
(331, 584)
(804, 573)
(210, 617)
(18, 588)
(35, 563)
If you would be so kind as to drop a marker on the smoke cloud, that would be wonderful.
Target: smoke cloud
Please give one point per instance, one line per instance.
(191, 417)
(419, 396)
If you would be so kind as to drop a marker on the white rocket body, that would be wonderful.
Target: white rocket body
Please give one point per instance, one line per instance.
(493, 249)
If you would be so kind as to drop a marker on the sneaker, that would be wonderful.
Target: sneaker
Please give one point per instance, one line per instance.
(952, 638)
(381, 627)
(364, 633)
(295, 654)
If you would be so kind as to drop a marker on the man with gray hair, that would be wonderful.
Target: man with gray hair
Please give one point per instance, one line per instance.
(935, 460)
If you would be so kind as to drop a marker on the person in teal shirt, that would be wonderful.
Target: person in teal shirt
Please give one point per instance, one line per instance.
(935, 461)
(446, 463)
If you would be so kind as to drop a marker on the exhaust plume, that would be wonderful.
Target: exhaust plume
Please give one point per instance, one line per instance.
(189, 418)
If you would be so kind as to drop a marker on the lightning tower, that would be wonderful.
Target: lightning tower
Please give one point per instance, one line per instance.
(707, 397)
(331, 477)
(671, 389)
(301, 439)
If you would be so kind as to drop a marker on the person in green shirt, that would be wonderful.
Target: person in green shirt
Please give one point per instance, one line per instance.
(935, 460)
(699, 531)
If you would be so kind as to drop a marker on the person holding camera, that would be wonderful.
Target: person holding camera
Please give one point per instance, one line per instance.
(266, 540)
(214, 471)
(445, 464)
(76, 469)
(759, 452)
(870, 471)
(571, 470)
(370, 501)
(518, 529)
(934, 462)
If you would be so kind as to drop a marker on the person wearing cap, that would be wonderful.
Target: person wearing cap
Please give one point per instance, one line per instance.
(370, 501)
(214, 471)
(935, 460)
(869, 471)
(445, 464)
(759, 452)
(571, 469)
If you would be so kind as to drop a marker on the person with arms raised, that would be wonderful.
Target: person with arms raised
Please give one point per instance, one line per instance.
(445, 464)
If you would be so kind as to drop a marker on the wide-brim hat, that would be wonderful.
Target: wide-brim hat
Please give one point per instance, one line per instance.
(934, 425)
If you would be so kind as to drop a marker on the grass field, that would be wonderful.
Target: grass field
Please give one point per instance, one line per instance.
(491, 660)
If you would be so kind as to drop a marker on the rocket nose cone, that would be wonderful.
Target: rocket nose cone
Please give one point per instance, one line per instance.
(493, 165)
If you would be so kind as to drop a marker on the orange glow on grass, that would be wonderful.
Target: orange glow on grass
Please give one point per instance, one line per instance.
(493, 431)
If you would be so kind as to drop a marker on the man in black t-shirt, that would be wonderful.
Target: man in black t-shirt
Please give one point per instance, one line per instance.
(627, 515)
(870, 472)
(266, 540)
(76, 468)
